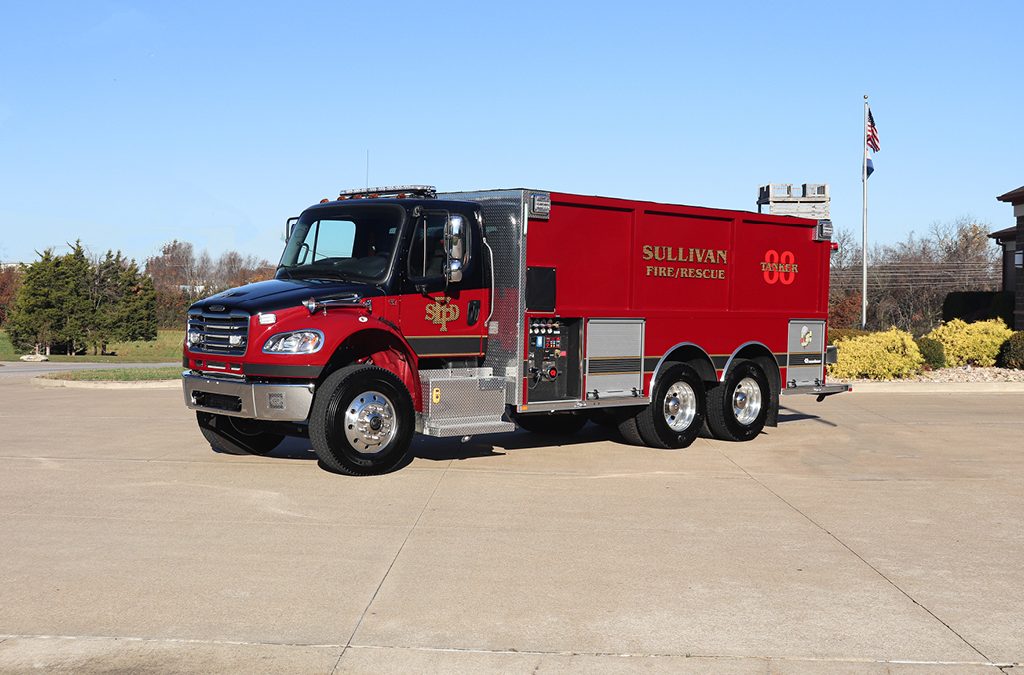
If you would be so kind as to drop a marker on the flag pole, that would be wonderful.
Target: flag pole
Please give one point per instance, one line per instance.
(864, 222)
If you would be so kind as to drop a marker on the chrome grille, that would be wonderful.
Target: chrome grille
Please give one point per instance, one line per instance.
(218, 332)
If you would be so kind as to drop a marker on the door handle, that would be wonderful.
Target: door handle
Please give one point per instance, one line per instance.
(473, 312)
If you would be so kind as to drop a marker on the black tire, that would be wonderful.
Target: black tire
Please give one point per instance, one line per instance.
(604, 418)
(553, 424)
(629, 430)
(236, 435)
(675, 415)
(722, 414)
(371, 396)
(618, 419)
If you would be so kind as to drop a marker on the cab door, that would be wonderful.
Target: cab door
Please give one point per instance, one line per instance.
(442, 318)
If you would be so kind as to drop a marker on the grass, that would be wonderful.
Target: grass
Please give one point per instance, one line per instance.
(166, 347)
(118, 374)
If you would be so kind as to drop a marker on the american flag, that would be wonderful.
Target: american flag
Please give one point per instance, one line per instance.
(872, 134)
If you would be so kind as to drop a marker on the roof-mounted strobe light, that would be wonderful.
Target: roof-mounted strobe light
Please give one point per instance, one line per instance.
(390, 191)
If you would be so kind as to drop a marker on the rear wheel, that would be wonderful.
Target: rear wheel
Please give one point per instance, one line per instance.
(362, 421)
(237, 435)
(676, 413)
(554, 424)
(738, 407)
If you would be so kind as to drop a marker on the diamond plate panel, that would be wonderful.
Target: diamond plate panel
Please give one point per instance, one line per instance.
(461, 394)
(505, 213)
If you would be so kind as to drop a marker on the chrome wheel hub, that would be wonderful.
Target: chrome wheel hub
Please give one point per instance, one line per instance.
(370, 422)
(746, 401)
(680, 406)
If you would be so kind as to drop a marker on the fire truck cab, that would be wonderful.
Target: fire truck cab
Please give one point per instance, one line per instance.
(398, 310)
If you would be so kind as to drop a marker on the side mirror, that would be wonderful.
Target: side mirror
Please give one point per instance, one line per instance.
(289, 225)
(455, 246)
(453, 271)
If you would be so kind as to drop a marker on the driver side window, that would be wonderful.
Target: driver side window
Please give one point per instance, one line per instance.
(427, 256)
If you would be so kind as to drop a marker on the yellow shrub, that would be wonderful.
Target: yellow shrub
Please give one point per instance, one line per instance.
(976, 343)
(878, 356)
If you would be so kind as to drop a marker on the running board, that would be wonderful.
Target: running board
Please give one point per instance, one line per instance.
(466, 427)
(819, 390)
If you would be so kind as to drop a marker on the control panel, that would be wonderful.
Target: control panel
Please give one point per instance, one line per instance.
(553, 359)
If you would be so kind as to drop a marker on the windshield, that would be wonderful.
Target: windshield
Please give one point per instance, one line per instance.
(353, 243)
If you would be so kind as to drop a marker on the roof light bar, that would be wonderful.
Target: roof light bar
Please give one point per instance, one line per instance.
(390, 191)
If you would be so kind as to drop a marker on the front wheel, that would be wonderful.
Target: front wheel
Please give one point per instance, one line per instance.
(738, 407)
(362, 421)
(237, 435)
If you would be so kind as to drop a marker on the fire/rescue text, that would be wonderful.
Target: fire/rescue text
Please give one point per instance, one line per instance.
(685, 272)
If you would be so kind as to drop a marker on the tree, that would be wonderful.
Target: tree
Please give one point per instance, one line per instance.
(35, 318)
(73, 283)
(909, 280)
(10, 279)
(180, 277)
(134, 313)
(123, 303)
(71, 303)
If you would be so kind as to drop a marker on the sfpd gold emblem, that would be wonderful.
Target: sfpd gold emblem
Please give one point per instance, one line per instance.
(441, 311)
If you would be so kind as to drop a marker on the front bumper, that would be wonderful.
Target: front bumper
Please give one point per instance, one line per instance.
(253, 400)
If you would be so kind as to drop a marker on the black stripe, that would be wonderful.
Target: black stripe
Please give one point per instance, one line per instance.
(262, 370)
(615, 365)
(718, 361)
(456, 344)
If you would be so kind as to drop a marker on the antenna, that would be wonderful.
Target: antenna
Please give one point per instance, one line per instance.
(367, 169)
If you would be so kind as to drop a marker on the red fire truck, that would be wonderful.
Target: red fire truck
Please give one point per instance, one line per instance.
(400, 310)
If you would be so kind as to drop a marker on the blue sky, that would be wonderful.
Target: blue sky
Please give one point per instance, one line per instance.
(131, 124)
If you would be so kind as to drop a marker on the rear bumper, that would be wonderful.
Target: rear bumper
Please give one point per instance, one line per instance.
(253, 400)
(821, 391)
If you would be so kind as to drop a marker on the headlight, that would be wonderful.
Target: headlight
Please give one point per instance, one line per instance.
(295, 342)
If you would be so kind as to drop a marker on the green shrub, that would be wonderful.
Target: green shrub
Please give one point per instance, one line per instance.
(971, 343)
(933, 352)
(837, 334)
(886, 355)
(1012, 354)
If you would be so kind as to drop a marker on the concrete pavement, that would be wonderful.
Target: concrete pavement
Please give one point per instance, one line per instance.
(865, 534)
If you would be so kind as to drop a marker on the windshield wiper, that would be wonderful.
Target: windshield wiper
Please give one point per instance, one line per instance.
(300, 273)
